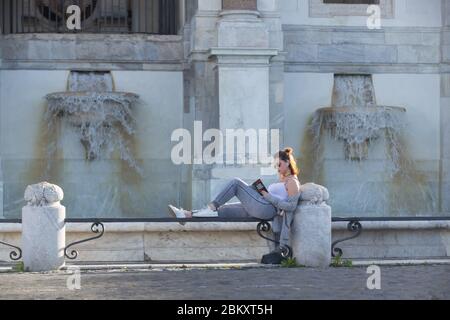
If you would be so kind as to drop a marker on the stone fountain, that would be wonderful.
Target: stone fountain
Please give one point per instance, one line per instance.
(359, 151)
(355, 118)
(101, 116)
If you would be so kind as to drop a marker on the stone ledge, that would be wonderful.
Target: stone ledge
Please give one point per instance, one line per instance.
(373, 68)
(295, 27)
(243, 52)
(212, 242)
(235, 14)
(10, 228)
(176, 65)
(397, 225)
(166, 227)
(146, 227)
(401, 262)
(228, 226)
(92, 37)
(243, 57)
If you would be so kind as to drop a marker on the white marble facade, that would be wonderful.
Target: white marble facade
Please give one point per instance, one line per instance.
(265, 68)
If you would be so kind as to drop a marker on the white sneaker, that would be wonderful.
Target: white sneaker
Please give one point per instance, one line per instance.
(205, 213)
(177, 213)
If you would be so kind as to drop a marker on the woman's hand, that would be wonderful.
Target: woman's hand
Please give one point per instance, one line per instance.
(264, 193)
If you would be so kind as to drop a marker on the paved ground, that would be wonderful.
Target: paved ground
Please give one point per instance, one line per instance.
(409, 282)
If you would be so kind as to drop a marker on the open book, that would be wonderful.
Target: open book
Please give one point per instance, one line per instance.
(259, 186)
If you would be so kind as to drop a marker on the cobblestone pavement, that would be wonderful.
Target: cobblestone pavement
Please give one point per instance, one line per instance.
(409, 282)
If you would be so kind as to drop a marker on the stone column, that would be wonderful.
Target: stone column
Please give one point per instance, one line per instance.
(233, 81)
(243, 56)
(43, 228)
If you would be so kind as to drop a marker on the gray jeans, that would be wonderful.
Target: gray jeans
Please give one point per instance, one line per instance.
(251, 204)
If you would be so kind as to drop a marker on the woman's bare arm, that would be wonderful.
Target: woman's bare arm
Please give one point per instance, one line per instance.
(293, 187)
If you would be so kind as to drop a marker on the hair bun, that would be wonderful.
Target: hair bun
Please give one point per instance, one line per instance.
(289, 151)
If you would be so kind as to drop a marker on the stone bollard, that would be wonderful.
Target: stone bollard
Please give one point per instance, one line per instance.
(311, 229)
(43, 228)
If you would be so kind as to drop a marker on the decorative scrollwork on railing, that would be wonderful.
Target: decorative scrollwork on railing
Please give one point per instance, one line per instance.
(96, 227)
(264, 226)
(14, 255)
(353, 226)
(286, 251)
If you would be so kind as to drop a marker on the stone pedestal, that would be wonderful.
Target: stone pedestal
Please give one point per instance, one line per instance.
(311, 235)
(43, 229)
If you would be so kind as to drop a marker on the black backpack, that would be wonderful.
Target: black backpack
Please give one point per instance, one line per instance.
(275, 257)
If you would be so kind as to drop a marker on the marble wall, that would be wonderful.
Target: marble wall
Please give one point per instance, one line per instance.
(406, 13)
(150, 66)
(180, 74)
(404, 57)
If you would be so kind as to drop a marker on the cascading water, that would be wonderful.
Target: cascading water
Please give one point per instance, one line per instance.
(101, 117)
(355, 119)
(90, 82)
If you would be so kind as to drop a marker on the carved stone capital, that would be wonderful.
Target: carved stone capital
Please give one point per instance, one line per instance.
(43, 194)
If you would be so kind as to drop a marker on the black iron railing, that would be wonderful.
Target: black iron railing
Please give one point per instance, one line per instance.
(16, 253)
(263, 228)
(355, 227)
(96, 16)
(98, 228)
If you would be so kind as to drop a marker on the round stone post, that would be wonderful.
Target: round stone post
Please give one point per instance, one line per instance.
(43, 228)
(311, 234)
